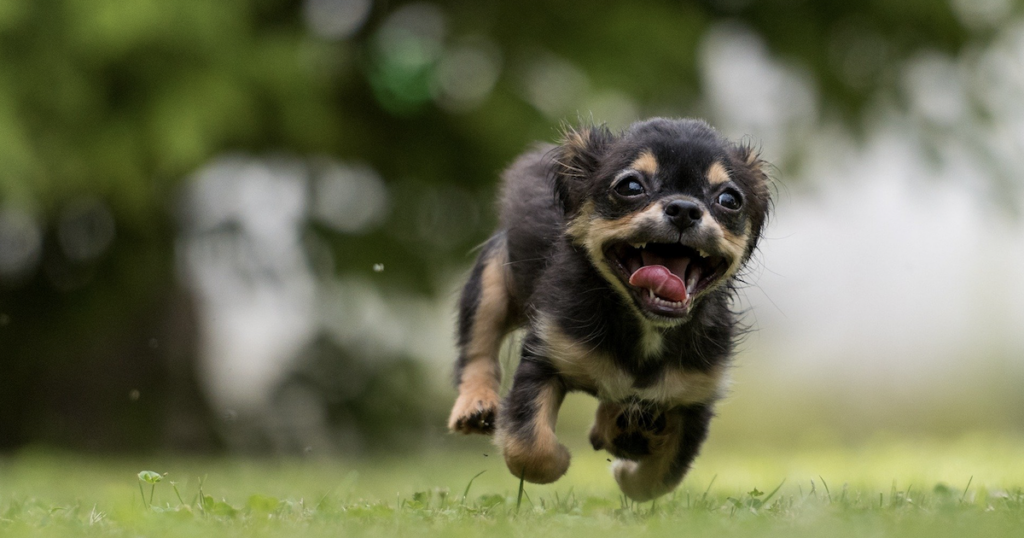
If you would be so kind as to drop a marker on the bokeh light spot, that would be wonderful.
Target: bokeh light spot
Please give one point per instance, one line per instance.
(20, 244)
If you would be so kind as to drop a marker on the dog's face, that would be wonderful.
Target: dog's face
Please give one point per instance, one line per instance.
(667, 212)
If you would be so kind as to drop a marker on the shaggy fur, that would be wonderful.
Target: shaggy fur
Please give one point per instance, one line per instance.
(618, 253)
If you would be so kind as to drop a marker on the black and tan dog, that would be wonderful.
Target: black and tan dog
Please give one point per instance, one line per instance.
(619, 254)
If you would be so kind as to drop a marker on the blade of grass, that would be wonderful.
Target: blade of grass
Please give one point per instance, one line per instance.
(175, 488)
(706, 491)
(321, 501)
(827, 492)
(772, 494)
(201, 496)
(466, 492)
(519, 499)
(962, 497)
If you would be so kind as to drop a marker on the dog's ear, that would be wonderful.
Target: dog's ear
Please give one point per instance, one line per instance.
(756, 181)
(750, 158)
(576, 160)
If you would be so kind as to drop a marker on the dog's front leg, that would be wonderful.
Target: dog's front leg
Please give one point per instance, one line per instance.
(484, 318)
(526, 427)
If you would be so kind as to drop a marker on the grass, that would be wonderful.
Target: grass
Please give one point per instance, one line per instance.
(885, 487)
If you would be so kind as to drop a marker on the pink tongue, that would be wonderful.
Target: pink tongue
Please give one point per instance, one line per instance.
(661, 281)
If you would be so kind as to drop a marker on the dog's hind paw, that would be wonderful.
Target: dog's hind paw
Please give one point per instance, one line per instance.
(475, 412)
(539, 462)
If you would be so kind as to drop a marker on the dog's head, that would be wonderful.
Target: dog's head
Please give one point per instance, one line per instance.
(667, 211)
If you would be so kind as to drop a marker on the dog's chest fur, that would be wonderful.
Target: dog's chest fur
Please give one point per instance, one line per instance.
(653, 379)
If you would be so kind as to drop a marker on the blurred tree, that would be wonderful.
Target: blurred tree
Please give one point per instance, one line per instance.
(110, 105)
(113, 104)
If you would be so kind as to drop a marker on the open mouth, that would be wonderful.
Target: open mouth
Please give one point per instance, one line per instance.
(665, 277)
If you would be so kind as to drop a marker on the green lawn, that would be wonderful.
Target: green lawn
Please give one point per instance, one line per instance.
(886, 487)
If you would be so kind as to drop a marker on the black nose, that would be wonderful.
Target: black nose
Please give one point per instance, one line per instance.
(683, 213)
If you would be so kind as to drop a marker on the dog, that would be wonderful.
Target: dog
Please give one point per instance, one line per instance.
(619, 254)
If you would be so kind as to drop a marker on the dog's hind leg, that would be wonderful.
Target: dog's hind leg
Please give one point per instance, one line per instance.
(526, 428)
(661, 471)
(484, 319)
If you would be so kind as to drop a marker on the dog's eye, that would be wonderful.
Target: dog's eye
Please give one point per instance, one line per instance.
(730, 199)
(629, 186)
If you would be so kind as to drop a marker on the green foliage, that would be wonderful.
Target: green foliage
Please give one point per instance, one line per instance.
(120, 102)
(124, 100)
(150, 477)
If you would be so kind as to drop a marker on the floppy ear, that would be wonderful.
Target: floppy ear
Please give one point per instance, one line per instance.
(576, 160)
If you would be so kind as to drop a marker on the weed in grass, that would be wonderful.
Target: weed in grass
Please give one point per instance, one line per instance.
(753, 510)
(274, 503)
(151, 478)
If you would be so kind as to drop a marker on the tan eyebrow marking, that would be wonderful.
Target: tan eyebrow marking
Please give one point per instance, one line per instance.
(717, 174)
(646, 163)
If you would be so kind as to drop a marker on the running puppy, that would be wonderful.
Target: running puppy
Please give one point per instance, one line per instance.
(618, 254)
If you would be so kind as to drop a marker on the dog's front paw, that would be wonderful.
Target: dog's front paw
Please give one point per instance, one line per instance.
(474, 412)
(627, 432)
(539, 463)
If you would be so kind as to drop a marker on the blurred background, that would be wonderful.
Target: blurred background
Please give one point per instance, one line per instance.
(241, 225)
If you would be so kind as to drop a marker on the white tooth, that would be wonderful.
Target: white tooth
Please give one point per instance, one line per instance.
(691, 281)
(651, 292)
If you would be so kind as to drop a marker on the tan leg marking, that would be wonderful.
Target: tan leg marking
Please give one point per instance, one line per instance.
(477, 404)
(542, 459)
(643, 480)
(604, 428)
